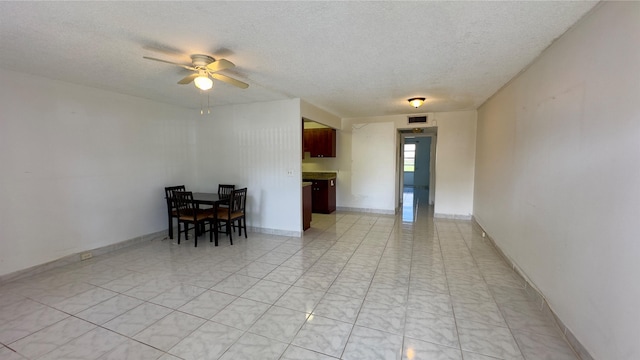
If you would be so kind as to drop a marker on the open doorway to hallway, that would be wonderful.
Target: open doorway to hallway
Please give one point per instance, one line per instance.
(416, 170)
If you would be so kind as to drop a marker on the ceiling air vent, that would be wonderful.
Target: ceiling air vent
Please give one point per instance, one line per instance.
(417, 119)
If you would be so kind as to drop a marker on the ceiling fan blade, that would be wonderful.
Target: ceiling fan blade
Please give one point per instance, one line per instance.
(169, 62)
(188, 79)
(230, 81)
(220, 64)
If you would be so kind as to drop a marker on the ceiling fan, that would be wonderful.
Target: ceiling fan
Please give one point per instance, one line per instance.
(204, 67)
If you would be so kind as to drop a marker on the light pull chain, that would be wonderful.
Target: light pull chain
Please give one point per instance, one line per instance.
(202, 103)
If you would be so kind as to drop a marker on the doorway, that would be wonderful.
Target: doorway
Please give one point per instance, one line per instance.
(416, 171)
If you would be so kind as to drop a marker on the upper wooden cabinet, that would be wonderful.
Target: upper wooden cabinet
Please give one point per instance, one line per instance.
(320, 142)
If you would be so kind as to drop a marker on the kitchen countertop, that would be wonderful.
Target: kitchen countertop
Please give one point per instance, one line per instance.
(319, 175)
(306, 183)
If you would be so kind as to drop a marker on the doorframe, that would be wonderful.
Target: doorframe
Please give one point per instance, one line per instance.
(431, 132)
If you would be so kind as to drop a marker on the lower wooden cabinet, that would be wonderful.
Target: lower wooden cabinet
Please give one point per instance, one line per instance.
(323, 196)
(307, 198)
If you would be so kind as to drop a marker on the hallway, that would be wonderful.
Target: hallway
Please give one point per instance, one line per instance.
(356, 286)
(413, 198)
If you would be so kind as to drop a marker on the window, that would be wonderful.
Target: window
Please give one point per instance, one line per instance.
(409, 157)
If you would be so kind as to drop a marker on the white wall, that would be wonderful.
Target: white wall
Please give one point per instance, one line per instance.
(455, 163)
(313, 125)
(558, 177)
(316, 114)
(310, 164)
(256, 146)
(367, 167)
(83, 168)
(376, 158)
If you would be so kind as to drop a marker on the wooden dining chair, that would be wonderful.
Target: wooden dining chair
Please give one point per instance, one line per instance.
(234, 215)
(172, 213)
(189, 214)
(224, 191)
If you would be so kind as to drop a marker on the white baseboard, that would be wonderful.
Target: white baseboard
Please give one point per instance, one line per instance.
(452, 216)
(275, 231)
(370, 211)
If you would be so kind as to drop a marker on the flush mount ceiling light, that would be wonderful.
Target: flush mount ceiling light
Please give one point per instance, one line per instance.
(416, 102)
(203, 82)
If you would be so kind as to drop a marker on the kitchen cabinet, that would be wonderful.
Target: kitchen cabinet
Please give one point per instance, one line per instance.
(320, 142)
(323, 196)
(307, 196)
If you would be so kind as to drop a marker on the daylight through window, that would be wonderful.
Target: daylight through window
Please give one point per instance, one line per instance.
(409, 157)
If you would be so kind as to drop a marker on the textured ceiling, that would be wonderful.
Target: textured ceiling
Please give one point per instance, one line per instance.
(350, 58)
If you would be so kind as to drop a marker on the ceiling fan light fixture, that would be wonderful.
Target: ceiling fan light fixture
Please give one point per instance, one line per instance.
(203, 82)
(416, 102)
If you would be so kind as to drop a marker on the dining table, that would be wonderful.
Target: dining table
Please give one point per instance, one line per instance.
(214, 200)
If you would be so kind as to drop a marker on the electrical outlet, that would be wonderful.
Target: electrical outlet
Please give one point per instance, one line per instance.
(86, 256)
(289, 172)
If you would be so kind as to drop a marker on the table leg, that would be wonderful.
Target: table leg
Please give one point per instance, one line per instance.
(215, 224)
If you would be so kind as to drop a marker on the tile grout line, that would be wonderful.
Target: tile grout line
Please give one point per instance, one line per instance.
(365, 295)
(453, 311)
(489, 289)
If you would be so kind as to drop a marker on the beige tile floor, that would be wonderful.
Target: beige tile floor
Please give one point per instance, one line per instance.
(356, 286)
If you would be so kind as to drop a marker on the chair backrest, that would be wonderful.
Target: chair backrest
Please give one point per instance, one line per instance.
(238, 200)
(183, 201)
(224, 191)
(169, 195)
